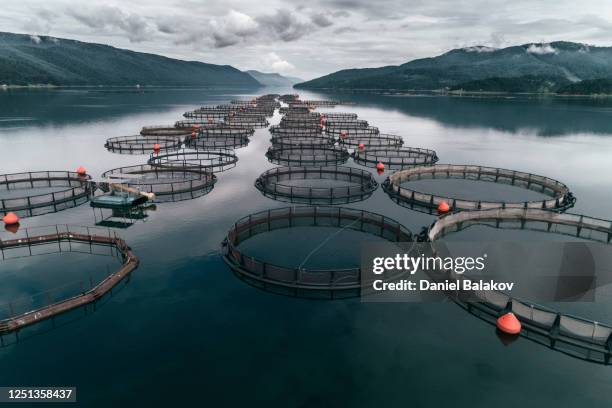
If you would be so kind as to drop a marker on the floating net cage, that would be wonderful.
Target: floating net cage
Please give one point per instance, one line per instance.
(196, 125)
(205, 116)
(307, 155)
(297, 122)
(394, 157)
(218, 141)
(298, 184)
(62, 239)
(575, 336)
(278, 130)
(138, 144)
(294, 110)
(255, 121)
(560, 196)
(297, 141)
(202, 160)
(373, 141)
(288, 98)
(345, 123)
(164, 130)
(338, 115)
(350, 132)
(168, 184)
(18, 192)
(300, 281)
(303, 116)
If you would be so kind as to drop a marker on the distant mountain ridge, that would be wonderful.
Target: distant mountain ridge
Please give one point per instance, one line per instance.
(571, 61)
(31, 60)
(273, 79)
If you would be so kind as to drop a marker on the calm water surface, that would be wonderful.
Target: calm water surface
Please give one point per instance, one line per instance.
(185, 331)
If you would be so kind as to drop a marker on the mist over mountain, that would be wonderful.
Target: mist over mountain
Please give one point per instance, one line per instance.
(32, 60)
(561, 62)
(273, 79)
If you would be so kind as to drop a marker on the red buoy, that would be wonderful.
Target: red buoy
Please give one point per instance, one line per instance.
(362, 147)
(443, 207)
(156, 147)
(81, 171)
(194, 135)
(11, 218)
(380, 166)
(508, 323)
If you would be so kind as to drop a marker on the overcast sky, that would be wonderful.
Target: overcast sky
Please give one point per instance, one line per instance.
(310, 38)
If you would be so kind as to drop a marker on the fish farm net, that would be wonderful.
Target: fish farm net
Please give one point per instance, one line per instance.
(343, 123)
(394, 158)
(218, 142)
(560, 197)
(316, 185)
(307, 155)
(203, 160)
(168, 184)
(300, 281)
(338, 116)
(28, 195)
(143, 144)
(164, 131)
(64, 239)
(372, 141)
(289, 131)
(575, 336)
(351, 132)
(299, 141)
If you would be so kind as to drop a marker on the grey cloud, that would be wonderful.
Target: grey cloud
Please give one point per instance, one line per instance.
(134, 26)
(284, 25)
(321, 20)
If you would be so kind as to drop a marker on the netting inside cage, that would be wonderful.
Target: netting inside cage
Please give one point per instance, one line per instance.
(397, 185)
(317, 185)
(576, 336)
(345, 123)
(338, 115)
(303, 281)
(168, 184)
(394, 157)
(218, 141)
(143, 144)
(42, 192)
(372, 141)
(307, 155)
(204, 160)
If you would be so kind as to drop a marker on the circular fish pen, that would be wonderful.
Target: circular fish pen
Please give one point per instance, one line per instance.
(575, 336)
(299, 141)
(202, 160)
(139, 144)
(300, 281)
(560, 197)
(316, 185)
(164, 131)
(395, 157)
(307, 155)
(373, 141)
(168, 184)
(344, 123)
(29, 195)
(338, 115)
(247, 121)
(218, 142)
(65, 237)
(346, 132)
(291, 131)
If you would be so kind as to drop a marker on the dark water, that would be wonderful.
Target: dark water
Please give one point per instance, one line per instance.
(186, 332)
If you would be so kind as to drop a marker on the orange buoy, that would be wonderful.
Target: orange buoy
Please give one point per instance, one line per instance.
(443, 207)
(11, 218)
(156, 147)
(508, 323)
(81, 171)
(362, 147)
(380, 167)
